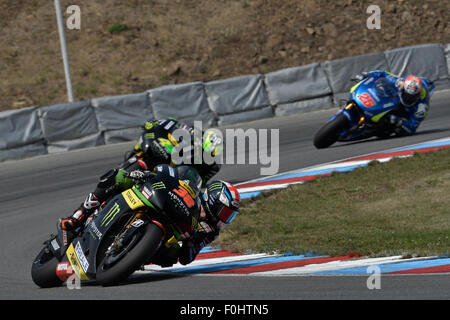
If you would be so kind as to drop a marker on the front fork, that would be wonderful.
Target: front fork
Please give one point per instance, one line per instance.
(356, 120)
(134, 224)
(353, 114)
(138, 220)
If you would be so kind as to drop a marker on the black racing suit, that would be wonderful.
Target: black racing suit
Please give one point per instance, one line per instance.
(204, 235)
(200, 233)
(192, 247)
(152, 149)
(157, 134)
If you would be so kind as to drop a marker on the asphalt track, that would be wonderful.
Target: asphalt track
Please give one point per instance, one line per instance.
(35, 192)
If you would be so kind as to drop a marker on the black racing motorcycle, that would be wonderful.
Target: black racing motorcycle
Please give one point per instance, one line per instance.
(126, 233)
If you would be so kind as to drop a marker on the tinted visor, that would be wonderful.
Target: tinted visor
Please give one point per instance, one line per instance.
(216, 208)
(227, 214)
(409, 99)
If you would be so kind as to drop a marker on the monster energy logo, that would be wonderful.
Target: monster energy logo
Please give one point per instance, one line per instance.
(110, 215)
(158, 185)
(215, 186)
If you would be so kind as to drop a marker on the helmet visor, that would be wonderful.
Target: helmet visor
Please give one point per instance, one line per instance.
(409, 99)
(227, 214)
(219, 208)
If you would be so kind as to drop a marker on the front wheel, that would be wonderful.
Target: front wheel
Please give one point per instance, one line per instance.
(329, 133)
(116, 266)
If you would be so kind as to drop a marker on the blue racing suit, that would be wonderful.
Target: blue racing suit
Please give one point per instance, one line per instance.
(406, 120)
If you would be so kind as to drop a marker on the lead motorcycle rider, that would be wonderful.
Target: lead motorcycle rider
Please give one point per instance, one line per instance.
(219, 206)
(414, 94)
(149, 151)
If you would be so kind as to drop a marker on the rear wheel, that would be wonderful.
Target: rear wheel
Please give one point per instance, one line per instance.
(120, 261)
(43, 270)
(329, 133)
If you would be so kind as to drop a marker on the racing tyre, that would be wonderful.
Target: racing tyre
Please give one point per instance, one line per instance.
(119, 265)
(43, 270)
(329, 133)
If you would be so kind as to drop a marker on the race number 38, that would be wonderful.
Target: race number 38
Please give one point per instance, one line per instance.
(185, 196)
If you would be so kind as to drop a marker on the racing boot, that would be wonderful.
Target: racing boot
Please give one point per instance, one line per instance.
(81, 214)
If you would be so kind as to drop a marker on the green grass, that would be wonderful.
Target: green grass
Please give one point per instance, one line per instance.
(398, 207)
(117, 28)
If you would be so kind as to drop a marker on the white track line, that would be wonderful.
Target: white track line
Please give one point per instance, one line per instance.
(336, 265)
(210, 261)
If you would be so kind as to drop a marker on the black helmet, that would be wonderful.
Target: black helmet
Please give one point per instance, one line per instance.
(220, 201)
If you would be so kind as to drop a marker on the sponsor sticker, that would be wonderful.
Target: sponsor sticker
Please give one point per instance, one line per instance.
(137, 223)
(81, 257)
(55, 244)
(132, 199)
(95, 230)
(75, 263)
(115, 209)
(169, 125)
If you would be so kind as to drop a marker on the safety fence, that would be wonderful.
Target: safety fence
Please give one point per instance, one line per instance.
(107, 120)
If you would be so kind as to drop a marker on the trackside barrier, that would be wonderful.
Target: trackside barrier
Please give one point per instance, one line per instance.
(298, 89)
(106, 120)
(426, 60)
(238, 99)
(447, 57)
(341, 70)
(69, 126)
(117, 115)
(20, 134)
(187, 102)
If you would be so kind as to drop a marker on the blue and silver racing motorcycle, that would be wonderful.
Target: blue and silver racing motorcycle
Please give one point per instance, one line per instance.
(365, 114)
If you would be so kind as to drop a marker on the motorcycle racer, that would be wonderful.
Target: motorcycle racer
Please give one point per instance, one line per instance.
(163, 220)
(153, 147)
(219, 206)
(414, 94)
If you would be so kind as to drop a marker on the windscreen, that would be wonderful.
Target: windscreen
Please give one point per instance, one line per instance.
(384, 88)
(191, 177)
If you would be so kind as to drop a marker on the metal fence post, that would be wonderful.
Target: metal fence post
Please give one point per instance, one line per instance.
(62, 39)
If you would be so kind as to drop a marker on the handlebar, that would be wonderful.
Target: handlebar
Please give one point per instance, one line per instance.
(143, 178)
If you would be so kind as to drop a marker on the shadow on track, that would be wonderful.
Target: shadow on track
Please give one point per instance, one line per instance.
(137, 278)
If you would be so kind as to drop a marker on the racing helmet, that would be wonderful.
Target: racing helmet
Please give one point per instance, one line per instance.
(220, 201)
(212, 142)
(410, 91)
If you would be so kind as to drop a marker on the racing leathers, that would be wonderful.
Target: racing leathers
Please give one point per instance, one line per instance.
(405, 119)
(202, 229)
(153, 147)
(156, 143)
(190, 248)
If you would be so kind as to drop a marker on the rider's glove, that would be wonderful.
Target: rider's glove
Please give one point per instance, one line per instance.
(397, 126)
(137, 174)
(189, 251)
(166, 257)
(192, 247)
(395, 121)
